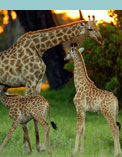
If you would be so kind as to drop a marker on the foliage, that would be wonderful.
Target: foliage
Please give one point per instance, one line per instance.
(117, 15)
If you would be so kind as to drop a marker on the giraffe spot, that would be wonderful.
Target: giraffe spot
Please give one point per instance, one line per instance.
(6, 61)
(36, 40)
(30, 64)
(18, 45)
(18, 69)
(59, 34)
(32, 77)
(57, 31)
(27, 67)
(48, 43)
(55, 41)
(37, 73)
(38, 46)
(43, 45)
(29, 52)
(18, 63)
(60, 39)
(25, 59)
(44, 39)
(2, 57)
(27, 43)
(64, 29)
(12, 71)
(32, 59)
(35, 36)
(1, 71)
(66, 37)
(36, 66)
(69, 31)
(12, 62)
(32, 46)
(6, 68)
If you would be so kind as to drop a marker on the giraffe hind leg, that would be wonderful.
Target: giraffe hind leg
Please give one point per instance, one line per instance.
(45, 126)
(26, 139)
(37, 135)
(115, 132)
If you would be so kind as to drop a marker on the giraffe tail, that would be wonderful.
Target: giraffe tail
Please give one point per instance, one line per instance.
(117, 111)
(54, 126)
(119, 125)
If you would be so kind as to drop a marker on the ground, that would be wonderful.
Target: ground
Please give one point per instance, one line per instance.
(98, 139)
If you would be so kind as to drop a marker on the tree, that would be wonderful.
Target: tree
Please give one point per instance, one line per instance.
(54, 58)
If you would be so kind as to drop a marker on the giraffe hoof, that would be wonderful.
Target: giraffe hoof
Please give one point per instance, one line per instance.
(42, 150)
(26, 152)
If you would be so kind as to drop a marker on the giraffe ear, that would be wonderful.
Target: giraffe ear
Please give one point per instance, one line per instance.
(81, 49)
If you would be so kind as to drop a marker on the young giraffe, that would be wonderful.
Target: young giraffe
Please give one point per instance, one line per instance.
(89, 98)
(22, 64)
(22, 110)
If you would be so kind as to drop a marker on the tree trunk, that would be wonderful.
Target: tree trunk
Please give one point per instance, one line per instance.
(53, 58)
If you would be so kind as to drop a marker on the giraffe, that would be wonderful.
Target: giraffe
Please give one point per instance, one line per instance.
(89, 98)
(22, 64)
(22, 110)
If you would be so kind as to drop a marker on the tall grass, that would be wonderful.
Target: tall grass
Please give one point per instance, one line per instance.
(98, 139)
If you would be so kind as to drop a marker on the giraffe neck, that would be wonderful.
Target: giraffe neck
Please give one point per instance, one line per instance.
(48, 38)
(80, 72)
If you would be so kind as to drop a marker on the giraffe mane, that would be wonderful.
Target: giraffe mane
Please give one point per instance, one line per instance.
(49, 29)
(85, 71)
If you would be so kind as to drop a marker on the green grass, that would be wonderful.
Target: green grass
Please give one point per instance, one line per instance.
(98, 139)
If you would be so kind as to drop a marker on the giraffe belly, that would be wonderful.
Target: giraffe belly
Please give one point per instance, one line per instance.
(25, 118)
(15, 81)
(92, 107)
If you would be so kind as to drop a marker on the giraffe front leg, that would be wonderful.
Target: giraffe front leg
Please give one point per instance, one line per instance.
(82, 138)
(14, 126)
(115, 132)
(80, 125)
(26, 139)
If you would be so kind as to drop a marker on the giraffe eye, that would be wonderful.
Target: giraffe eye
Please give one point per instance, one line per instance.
(90, 29)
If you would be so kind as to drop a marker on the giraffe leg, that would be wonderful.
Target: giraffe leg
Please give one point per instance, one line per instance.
(38, 88)
(37, 135)
(80, 123)
(30, 88)
(115, 132)
(26, 139)
(14, 126)
(82, 137)
(45, 126)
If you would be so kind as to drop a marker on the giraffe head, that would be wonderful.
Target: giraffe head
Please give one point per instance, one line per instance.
(71, 54)
(2, 90)
(93, 31)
